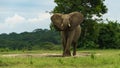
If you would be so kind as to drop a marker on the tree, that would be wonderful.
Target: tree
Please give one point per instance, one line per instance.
(90, 8)
(92, 11)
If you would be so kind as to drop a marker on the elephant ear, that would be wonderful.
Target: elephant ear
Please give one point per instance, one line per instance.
(76, 18)
(57, 21)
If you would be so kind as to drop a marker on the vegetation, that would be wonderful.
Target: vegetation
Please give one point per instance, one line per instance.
(103, 36)
(88, 7)
(109, 35)
(96, 59)
(29, 40)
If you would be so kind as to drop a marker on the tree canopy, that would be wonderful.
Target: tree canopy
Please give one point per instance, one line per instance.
(29, 40)
(90, 8)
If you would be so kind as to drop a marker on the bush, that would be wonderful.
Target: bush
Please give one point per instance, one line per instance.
(89, 35)
(100, 35)
(109, 35)
(47, 46)
(4, 49)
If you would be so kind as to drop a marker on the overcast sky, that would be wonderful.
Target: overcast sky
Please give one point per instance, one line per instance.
(26, 15)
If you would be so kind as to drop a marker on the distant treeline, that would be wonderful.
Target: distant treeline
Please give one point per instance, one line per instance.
(39, 38)
(100, 35)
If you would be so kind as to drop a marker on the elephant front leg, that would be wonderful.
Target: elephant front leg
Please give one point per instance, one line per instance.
(64, 45)
(68, 43)
(66, 50)
(67, 53)
(74, 48)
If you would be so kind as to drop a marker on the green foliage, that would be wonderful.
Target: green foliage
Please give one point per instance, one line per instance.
(46, 46)
(4, 49)
(109, 35)
(89, 34)
(101, 35)
(89, 8)
(28, 40)
(93, 56)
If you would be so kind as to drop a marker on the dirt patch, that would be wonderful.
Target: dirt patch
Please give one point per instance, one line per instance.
(32, 55)
(47, 55)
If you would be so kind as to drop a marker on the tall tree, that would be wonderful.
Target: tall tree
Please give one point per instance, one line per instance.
(92, 11)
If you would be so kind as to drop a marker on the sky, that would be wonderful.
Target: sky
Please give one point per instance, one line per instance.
(27, 15)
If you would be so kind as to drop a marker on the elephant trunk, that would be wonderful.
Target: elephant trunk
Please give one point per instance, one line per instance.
(65, 24)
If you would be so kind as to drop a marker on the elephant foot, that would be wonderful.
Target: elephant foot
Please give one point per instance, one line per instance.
(74, 54)
(66, 54)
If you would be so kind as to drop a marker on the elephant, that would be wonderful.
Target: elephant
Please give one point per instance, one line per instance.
(69, 26)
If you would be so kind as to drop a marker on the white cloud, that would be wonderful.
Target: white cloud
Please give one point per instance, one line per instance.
(14, 21)
(18, 23)
(41, 17)
(16, 18)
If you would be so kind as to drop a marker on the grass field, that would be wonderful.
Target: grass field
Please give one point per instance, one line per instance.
(52, 59)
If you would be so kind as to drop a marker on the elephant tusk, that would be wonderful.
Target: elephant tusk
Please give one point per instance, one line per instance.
(69, 25)
(62, 25)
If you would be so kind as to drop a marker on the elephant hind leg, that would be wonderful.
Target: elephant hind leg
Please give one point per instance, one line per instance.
(74, 48)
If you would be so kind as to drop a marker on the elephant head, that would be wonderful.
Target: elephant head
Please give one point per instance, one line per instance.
(69, 21)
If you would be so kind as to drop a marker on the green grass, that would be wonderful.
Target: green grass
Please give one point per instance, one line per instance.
(105, 59)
